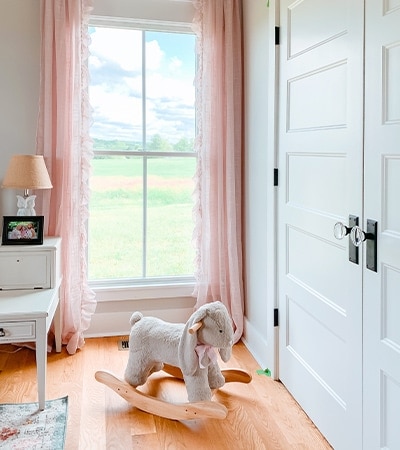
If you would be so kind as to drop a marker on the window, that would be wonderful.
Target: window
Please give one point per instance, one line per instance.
(142, 95)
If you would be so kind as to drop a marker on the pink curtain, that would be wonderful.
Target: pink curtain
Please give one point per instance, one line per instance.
(218, 213)
(63, 140)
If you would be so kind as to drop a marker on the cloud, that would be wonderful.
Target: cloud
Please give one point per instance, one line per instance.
(111, 44)
(175, 64)
(116, 88)
(154, 55)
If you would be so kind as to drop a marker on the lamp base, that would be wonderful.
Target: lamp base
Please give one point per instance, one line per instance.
(26, 205)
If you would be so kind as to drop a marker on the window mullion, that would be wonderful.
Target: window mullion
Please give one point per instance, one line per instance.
(144, 144)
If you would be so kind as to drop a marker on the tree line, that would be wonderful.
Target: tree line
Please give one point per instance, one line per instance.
(157, 143)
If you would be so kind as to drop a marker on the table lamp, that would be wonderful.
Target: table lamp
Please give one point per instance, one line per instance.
(27, 172)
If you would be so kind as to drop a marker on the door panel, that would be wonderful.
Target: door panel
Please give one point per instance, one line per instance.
(326, 108)
(320, 162)
(382, 190)
(325, 171)
(306, 32)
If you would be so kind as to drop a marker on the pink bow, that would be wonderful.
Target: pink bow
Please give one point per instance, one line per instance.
(205, 350)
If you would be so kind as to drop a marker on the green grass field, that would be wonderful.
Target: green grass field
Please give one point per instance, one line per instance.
(116, 226)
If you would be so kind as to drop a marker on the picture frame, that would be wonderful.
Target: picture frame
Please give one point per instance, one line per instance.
(22, 230)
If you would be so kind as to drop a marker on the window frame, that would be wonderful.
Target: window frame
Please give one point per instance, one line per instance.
(152, 287)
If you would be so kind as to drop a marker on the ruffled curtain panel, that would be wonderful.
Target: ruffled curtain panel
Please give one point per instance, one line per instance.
(218, 210)
(63, 140)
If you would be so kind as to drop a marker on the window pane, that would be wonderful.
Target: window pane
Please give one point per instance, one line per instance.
(116, 218)
(169, 216)
(115, 66)
(170, 71)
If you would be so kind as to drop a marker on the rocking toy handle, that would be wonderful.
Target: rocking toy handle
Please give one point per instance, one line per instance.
(195, 327)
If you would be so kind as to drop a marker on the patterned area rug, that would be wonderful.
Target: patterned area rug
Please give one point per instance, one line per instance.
(23, 426)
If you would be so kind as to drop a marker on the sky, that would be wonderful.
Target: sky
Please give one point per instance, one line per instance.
(116, 84)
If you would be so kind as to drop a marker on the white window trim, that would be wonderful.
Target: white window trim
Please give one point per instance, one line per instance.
(140, 24)
(106, 292)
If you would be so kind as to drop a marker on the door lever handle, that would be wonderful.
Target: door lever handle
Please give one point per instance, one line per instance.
(358, 236)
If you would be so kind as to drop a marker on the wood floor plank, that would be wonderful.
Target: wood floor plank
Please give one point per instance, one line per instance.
(93, 421)
(261, 414)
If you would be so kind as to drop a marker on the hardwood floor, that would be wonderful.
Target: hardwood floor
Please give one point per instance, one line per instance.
(262, 414)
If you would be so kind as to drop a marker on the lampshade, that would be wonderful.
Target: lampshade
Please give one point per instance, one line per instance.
(27, 172)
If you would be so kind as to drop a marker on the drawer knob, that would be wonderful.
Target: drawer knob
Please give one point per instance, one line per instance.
(2, 332)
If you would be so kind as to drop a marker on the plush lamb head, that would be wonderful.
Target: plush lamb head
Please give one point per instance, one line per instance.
(190, 346)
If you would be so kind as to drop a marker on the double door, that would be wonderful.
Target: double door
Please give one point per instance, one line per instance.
(339, 161)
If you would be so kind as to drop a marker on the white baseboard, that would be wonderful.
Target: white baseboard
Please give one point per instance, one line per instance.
(256, 344)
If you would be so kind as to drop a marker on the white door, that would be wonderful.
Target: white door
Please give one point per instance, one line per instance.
(382, 203)
(320, 167)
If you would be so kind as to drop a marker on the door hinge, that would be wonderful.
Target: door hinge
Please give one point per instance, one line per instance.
(277, 40)
(276, 317)
(276, 177)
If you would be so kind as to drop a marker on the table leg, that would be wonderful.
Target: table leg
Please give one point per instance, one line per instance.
(57, 327)
(41, 360)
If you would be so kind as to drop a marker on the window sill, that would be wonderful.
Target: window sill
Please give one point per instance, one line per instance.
(106, 292)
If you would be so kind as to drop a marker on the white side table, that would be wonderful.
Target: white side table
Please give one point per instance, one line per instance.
(26, 314)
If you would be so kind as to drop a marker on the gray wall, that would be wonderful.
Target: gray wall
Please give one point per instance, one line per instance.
(19, 86)
(259, 50)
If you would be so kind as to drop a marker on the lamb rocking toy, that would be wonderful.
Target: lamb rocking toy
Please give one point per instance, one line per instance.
(186, 351)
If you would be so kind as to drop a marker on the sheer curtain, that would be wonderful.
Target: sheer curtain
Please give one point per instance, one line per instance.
(218, 211)
(63, 140)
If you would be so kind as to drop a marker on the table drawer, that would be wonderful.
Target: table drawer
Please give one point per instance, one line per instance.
(25, 270)
(17, 331)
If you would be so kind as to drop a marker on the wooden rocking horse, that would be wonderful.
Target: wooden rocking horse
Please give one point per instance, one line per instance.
(185, 351)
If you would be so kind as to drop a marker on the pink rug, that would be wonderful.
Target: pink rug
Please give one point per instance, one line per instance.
(23, 426)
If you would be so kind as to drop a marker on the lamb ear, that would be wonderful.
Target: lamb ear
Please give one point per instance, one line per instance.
(188, 359)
